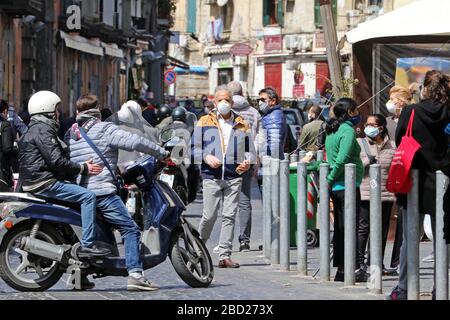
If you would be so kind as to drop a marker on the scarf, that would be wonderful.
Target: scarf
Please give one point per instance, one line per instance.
(85, 119)
(41, 118)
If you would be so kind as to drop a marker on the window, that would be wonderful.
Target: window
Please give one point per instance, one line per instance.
(225, 76)
(191, 16)
(364, 4)
(318, 17)
(273, 12)
(226, 14)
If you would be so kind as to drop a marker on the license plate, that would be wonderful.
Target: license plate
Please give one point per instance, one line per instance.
(167, 178)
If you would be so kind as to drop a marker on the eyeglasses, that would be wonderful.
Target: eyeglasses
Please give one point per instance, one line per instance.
(261, 100)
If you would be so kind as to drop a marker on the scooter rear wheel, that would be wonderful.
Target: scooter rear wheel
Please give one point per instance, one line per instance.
(195, 269)
(23, 271)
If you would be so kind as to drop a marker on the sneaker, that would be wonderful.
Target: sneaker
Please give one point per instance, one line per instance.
(85, 252)
(244, 247)
(398, 294)
(216, 249)
(390, 272)
(429, 258)
(140, 284)
(361, 276)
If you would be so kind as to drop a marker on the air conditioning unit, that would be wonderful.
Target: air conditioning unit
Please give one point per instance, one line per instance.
(210, 2)
(305, 43)
(291, 41)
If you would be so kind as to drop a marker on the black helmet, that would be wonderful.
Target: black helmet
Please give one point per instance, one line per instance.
(179, 114)
(163, 112)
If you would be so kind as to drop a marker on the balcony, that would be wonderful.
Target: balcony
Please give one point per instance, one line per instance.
(24, 7)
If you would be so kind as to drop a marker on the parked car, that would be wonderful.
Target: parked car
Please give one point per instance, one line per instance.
(295, 123)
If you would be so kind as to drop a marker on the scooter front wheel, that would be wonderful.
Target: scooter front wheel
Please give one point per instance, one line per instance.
(191, 259)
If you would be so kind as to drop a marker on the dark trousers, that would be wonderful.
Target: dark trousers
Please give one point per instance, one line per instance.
(364, 227)
(395, 260)
(338, 198)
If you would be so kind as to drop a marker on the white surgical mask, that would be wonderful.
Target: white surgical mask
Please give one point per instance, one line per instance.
(310, 117)
(372, 132)
(391, 107)
(264, 107)
(224, 107)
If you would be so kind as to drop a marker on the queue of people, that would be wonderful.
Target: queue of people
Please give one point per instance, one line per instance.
(229, 137)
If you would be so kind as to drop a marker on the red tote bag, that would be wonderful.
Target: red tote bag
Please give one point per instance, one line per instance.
(399, 180)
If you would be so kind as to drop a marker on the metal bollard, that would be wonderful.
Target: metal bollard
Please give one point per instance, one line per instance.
(441, 254)
(324, 223)
(350, 225)
(376, 256)
(284, 215)
(319, 155)
(267, 206)
(275, 224)
(294, 158)
(412, 264)
(302, 249)
(301, 154)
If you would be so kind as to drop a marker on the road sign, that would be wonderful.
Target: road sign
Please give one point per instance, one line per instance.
(170, 77)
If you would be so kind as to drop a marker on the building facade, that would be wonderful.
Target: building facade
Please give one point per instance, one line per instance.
(285, 36)
(113, 48)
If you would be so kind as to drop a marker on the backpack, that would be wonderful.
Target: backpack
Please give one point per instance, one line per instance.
(399, 180)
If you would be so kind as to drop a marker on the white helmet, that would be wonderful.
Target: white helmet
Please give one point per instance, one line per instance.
(43, 102)
(130, 112)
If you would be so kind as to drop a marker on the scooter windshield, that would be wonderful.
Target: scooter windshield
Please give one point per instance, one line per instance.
(131, 120)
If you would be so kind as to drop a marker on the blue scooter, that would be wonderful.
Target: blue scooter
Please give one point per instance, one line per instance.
(39, 237)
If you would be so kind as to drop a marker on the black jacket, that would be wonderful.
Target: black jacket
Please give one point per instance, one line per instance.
(6, 150)
(429, 130)
(42, 158)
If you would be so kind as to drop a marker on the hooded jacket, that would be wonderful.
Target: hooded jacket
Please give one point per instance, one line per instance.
(108, 138)
(428, 129)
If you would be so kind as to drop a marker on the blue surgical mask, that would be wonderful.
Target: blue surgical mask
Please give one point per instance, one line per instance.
(372, 132)
(355, 120)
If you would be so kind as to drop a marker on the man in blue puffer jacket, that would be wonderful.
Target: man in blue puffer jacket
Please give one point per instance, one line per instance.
(109, 139)
(273, 123)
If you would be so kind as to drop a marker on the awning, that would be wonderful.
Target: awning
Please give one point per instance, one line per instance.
(217, 49)
(80, 43)
(424, 17)
(112, 49)
(177, 63)
(192, 69)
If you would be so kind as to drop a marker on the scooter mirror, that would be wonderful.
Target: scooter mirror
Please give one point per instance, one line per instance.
(166, 135)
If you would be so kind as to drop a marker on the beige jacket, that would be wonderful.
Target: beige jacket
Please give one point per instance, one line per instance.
(383, 155)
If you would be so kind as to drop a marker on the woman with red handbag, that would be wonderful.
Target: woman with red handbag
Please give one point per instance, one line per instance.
(430, 118)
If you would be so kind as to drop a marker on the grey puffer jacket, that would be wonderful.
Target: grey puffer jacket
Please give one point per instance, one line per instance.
(242, 108)
(109, 139)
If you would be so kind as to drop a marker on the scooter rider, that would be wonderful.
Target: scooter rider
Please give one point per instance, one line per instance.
(109, 138)
(44, 166)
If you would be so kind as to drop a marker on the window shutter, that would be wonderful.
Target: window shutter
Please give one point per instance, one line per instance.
(318, 17)
(280, 13)
(192, 16)
(266, 16)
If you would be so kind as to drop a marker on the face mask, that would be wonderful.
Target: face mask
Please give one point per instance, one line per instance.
(263, 107)
(372, 132)
(355, 120)
(207, 110)
(224, 108)
(390, 107)
(310, 117)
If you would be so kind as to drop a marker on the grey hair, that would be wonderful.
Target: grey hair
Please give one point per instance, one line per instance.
(223, 88)
(235, 88)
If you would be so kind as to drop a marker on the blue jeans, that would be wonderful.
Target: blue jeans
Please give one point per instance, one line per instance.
(116, 214)
(76, 194)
